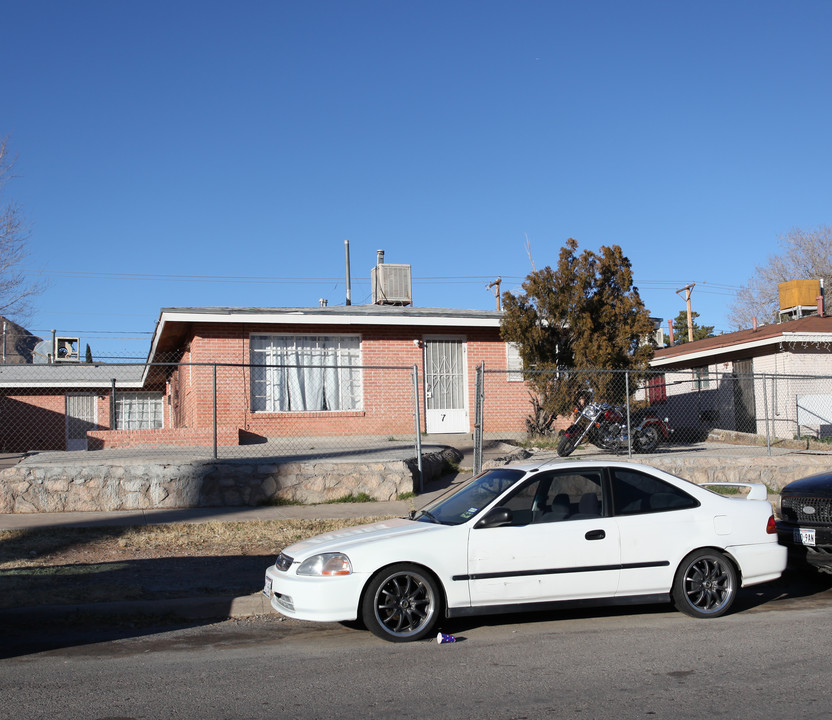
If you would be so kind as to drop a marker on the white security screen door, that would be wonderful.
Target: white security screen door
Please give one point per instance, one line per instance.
(81, 415)
(445, 385)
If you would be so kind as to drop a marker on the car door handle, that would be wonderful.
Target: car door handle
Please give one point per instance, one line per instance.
(595, 535)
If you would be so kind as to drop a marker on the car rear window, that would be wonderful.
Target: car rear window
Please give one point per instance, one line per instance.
(636, 492)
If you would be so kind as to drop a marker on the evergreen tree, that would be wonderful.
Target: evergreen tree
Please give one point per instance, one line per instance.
(583, 315)
(680, 328)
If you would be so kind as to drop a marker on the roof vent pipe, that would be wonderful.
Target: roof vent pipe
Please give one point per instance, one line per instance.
(349, 283)
(324, 302)
(379, 257)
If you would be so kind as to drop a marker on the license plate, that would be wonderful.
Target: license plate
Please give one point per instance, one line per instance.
(267, 589)
(804, 536)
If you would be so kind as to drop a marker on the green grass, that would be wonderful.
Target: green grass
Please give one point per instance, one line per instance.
(406, 496)
(361, 497)
(278, 502)
(722, 490)
(452, 466)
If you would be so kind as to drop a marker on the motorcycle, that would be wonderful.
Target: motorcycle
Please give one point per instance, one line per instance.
(605, 426)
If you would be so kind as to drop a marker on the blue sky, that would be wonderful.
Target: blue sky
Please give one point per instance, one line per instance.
(207, 153)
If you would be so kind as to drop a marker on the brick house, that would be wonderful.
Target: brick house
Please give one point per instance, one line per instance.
(775, 378)
(55, 406)
(278, 372)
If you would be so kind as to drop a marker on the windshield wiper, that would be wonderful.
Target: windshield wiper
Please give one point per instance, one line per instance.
(429, 515)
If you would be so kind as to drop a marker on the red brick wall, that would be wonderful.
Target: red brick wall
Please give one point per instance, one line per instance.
(198, 437)
(387, 394)
(36, 421)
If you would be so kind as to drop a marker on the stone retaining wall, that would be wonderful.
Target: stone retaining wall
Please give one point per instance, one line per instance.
(33, 486)
(133, 484)
(774, 472)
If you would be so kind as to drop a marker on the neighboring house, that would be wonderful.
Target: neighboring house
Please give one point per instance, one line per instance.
(278, 372)
(17, 345)
(53, 407)
(751, 381)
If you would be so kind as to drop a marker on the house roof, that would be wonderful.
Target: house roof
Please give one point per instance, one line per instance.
(746, 343)
(172, 321)
(71, 375)
(349, 314)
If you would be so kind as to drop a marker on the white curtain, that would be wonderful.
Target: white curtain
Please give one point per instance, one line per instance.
(301, 373)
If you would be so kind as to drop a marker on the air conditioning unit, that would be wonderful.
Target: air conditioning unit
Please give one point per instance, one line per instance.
(391, 284)
(66, 349)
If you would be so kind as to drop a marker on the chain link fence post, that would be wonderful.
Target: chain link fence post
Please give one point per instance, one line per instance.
(479, 398)
(214, 419)
(418, 423)
(629, 428)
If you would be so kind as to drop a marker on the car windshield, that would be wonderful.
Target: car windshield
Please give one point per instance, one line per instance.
(470, 499)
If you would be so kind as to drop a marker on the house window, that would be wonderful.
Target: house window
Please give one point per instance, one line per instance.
(305, 373)
(139, 411)
(701, 381)
(514, 363)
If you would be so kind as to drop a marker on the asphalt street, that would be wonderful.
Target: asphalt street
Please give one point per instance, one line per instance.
(767, 659)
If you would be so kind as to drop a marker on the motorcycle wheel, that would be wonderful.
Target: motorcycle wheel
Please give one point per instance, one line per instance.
(565, 445)
(648, 440)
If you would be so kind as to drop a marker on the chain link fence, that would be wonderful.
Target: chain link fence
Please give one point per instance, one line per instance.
(742, 414)
(273, 410)
(211, 410)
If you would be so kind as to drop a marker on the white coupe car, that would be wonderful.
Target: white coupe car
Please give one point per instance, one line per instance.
(529, 537)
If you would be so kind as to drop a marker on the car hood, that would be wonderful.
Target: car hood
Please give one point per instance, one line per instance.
(343, 540)
(817, 485)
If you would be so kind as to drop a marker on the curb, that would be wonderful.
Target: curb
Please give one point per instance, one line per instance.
(203, 608)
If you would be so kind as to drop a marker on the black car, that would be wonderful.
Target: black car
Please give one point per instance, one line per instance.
(805, 526)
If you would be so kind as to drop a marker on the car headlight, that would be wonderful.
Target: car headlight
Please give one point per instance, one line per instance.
(326, 564)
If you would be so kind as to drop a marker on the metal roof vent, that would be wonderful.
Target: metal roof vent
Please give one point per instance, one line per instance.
(391, 283)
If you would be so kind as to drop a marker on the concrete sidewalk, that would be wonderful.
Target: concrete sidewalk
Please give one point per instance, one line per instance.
(125, 518)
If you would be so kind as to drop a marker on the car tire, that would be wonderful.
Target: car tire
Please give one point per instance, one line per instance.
(401, 603)
(705, 585)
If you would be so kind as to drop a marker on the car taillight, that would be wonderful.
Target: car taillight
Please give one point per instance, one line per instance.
(771, 527)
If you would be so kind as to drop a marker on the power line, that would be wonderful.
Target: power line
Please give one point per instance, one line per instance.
(269, 279)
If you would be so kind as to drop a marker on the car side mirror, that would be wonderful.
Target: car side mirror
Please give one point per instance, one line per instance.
(498, 517)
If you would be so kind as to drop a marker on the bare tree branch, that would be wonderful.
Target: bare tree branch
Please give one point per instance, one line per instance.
(804, 256)
(529, 252)
(16, 290)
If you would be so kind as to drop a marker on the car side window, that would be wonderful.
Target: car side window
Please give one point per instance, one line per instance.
(556, 496)
(573, 496)
(525, 503)
(636, 492)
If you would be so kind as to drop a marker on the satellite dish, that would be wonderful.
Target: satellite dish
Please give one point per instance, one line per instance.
(41, 352)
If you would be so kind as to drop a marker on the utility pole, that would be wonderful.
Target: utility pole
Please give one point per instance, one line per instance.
(687, 290)
(496, 286)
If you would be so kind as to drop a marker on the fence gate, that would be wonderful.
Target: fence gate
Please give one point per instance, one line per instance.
(81, 415)
(445, 385)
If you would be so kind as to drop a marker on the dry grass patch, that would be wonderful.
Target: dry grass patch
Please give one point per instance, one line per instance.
(65, 546)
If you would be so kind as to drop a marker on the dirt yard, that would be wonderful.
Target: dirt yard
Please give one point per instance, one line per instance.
(82, 565)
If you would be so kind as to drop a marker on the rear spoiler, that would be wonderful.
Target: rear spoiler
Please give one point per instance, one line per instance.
(756, 491)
